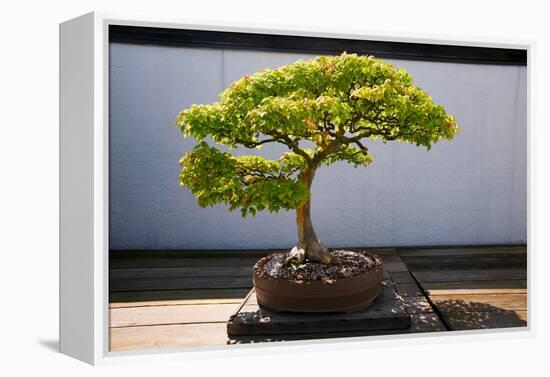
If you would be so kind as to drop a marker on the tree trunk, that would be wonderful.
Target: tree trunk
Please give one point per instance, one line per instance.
(309, 246)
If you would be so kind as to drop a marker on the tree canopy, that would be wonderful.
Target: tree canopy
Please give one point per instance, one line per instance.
(335, 102)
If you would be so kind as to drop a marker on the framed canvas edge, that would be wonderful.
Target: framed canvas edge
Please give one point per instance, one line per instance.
(102, 21)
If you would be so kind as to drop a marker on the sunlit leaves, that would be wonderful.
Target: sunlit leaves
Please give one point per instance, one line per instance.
(398, 110)
(250, 183)
(336, 102)
(303, 99)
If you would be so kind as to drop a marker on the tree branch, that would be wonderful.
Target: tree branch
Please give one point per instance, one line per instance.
(254, 144)
(361, 146)
(292, 145)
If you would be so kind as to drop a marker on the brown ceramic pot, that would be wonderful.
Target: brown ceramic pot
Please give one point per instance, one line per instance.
(341, 295)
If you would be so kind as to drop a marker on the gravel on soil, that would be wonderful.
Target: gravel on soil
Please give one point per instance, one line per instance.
(353, 263)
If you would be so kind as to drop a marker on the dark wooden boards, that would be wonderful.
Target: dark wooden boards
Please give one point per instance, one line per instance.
(151, 276)
(160, 261)
(177, 272)
(465, 262)
(402, 277)
(409, 290)
(470, 275)
(473, 250)
(198, 282)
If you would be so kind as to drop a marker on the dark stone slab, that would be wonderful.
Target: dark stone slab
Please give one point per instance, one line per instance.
(251, 319)
(420, 323)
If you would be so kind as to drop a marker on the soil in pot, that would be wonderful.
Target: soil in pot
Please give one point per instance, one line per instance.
(352, 264)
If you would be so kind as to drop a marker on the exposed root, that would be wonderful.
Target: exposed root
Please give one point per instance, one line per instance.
(321, 255)
(313, 253)
(295, 256)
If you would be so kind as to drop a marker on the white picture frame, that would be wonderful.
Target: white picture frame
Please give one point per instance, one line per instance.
(84, 49)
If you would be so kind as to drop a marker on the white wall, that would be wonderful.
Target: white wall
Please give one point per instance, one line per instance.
(472, 190)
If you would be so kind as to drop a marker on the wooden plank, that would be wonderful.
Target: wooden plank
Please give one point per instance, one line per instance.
(474, 285)
(462, 251)
(417, 305)
(204, 301)
(167, 337)
(380, 251)
(467, 262)
(175, 272)
(390, 258)
(485, 319)
(200, 282)
(177, 294)
(193, 253)
(395, 267)
(480, 302)
(469, 275)
(479, 291)
(213, 334)
(388, 293)
(408, 290)
(250, 297)
(157, 262)
(457, 258)
(402, 277)
(170, 314)
(425, 322)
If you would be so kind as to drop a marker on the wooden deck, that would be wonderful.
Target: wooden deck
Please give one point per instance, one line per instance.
(172, 299)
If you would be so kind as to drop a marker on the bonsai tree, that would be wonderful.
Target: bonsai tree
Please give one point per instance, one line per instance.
(323, 110)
